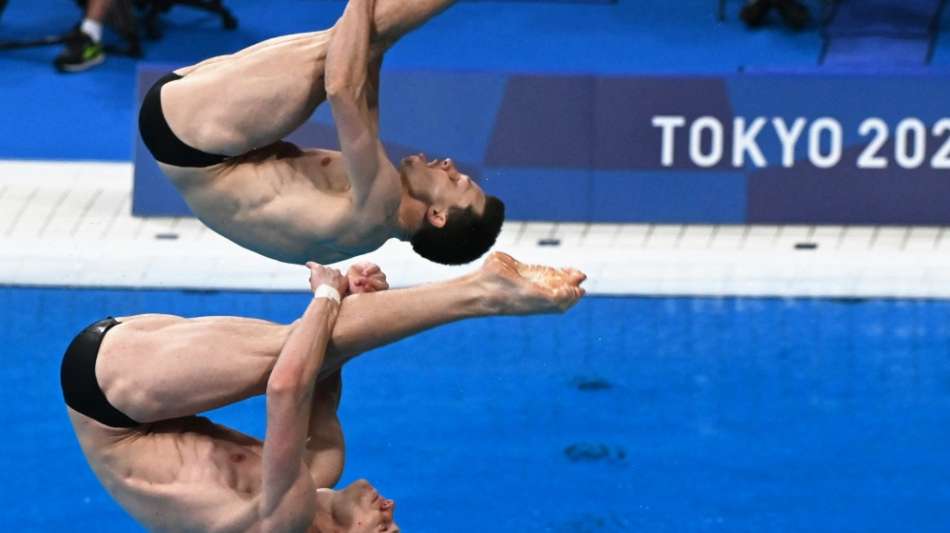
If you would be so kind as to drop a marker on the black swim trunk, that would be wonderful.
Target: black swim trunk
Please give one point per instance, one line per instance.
(165, 146)
(77, 376)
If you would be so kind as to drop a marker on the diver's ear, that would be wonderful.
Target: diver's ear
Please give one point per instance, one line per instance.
(436, 216)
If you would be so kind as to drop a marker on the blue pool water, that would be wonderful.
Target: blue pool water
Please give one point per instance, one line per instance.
(625, 414)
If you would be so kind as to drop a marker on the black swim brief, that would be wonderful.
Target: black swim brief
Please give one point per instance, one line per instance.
(161, 141)
(77, 376)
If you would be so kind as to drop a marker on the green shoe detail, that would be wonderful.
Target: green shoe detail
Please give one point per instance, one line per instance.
(91, 51)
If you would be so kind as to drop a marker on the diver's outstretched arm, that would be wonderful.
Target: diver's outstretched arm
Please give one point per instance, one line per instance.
(395, 18)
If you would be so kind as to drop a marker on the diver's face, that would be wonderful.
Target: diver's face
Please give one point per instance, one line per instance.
(359, 508)
(438, 183)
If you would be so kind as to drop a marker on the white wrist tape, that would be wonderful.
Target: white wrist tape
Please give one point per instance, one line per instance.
(326, 291)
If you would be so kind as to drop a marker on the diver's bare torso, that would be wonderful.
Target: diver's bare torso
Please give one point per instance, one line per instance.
(270, 196)
(249, 199)
(186, 474)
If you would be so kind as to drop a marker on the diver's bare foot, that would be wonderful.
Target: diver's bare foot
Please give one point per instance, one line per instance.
(515, 288)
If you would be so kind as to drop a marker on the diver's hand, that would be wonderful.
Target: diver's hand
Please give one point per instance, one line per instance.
(366, 277)
(321, 275)
(514, 288)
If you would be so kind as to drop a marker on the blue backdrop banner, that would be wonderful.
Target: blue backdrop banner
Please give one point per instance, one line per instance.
(744, 148)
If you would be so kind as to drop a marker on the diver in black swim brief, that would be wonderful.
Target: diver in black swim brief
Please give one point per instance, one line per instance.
(179, 471)
(164, 145)
(77, 376)
(216, 129)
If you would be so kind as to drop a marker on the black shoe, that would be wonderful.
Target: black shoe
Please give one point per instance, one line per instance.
(81, 53)
(754, 12)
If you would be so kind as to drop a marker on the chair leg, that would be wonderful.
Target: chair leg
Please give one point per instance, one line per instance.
(212, 6)
(228, 20)
(151, 21)
(934, 31)
(121, 17)
(153, 9)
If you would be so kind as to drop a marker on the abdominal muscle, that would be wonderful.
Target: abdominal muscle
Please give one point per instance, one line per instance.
(285, 203)
(187, 474)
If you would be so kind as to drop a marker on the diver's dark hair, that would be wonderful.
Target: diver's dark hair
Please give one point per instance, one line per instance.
(465, 235)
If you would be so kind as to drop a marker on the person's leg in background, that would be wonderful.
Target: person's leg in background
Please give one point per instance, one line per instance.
(84, 47)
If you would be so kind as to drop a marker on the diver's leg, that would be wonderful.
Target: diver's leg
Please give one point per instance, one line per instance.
(230, 105)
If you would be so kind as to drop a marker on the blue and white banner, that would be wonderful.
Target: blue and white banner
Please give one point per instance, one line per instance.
(744, 148)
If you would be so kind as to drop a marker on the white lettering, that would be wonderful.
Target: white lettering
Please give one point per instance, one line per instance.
(833, 156)
(714, 155)
(743, 140)
(913, 141)
(668, 124)
(869, 157)
(941, 159)
(905, 129)
(788, 138)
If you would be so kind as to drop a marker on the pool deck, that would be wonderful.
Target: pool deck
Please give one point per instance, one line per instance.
(69, 224)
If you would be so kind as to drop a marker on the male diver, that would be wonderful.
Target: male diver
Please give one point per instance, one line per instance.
(215, 129)
(133, 386)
